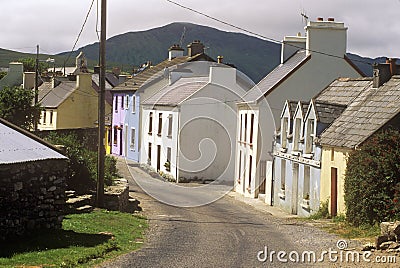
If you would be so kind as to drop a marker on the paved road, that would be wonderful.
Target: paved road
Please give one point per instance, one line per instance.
(225, 233)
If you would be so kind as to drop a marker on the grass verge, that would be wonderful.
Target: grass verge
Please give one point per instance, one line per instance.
(84, 240)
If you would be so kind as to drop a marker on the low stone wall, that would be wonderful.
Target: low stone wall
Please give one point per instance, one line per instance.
(116, 197)
(32, 196)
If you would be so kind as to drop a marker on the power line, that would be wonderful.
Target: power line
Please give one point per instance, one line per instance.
(80, 32)
(257, 34)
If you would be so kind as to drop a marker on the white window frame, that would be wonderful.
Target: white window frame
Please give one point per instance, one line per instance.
(133, 139)
(133, 104)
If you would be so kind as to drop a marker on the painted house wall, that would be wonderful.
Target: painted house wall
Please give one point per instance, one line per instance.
(48, 119)
(118, 124)
(80, 109)
(333, 158)
(152, 140)
(132, 120)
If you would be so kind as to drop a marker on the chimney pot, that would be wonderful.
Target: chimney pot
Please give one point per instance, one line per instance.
(220, 59)
(331, 19)
(320, 19)
(393, 66)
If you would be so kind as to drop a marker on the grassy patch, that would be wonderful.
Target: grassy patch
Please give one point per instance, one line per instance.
(84, 240)
(345, 230)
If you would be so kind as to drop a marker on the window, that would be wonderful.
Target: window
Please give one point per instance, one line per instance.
(241, 128)
(170, 125)
(122, 102)
(240, 167)
(127, 102)
(168, 164)
(245, 127)
(159, 124)
(306, 189)
(283, 173)
(297, 134)
(310, 135)
(115, 136)
(133, 104)
(150, 122)
(51, 117)
(250, 169)
(116, 104)
(284, 129)
(149, 154)
(133, 137)
(332, 154)
(251, 128)
(44, 117)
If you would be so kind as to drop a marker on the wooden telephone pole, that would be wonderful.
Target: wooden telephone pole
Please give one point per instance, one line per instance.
(101, 138)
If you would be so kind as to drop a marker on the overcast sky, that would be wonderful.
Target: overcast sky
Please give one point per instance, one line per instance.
(374, 25)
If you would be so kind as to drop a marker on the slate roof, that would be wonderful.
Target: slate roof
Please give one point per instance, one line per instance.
(367, 113)
(328, 112)
(20, 146)
(176, 93)
(53, 97)
(276, 76)
(153, 72)
(343, 90)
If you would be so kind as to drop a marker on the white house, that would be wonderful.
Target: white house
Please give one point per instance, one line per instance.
(189, 127)
(308, 64)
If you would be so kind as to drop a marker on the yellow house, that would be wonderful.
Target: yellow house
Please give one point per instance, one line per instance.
(69, 103)
(372, 104)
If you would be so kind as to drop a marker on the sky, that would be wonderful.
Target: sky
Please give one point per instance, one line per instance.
(373, 25)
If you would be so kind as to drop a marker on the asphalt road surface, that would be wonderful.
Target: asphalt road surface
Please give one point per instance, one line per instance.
(224, 233)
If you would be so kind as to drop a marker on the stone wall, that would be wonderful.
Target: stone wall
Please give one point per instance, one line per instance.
(116, 197)
(32, 196)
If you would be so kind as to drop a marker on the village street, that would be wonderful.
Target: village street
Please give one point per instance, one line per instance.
(225, 233)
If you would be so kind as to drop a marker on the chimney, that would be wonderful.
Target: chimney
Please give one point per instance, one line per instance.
(116, 71)
(328, 37)
(28, 80)
(96, 69)
(394, 68)
(292, 44)
(54, 82)
(220, 59)
(175, 51)
(381, 74)
(194, 48)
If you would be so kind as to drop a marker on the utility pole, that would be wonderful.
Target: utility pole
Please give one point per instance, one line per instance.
(36, 119)
(101, 148)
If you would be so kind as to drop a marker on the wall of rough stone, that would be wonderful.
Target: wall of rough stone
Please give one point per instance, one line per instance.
(32, 196)
(116, 197)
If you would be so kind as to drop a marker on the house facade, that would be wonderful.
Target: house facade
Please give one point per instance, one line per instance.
(128, 95)
(189, 126)
(375, 107)
(297, 157)
(303, 72)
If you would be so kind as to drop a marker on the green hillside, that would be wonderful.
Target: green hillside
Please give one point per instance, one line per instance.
(251, 55)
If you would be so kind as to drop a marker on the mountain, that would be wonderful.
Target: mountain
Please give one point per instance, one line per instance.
(251, 55)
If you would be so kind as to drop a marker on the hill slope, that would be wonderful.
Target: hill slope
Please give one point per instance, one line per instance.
(251, 55)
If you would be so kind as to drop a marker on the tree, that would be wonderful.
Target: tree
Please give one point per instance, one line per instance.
(372, 177)
(16, 106)
(29, 65)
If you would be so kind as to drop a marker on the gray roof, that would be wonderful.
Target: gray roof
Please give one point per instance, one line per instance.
(176, 93)
(53, 97)
(19, 146)
(367, 113)
(343, 90)
(328, 112)
(276, 76)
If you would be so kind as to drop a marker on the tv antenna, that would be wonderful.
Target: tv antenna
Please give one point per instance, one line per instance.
(182, 36)
(304, 17)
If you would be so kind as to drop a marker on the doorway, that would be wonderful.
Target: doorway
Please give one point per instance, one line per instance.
(333, 192)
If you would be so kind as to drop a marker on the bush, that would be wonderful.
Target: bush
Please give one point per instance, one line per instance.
(323, 211)
(372, 175)
(82, 165)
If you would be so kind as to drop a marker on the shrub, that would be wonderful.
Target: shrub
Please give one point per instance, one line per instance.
(323, 211)
(372, 175)
(82, 165)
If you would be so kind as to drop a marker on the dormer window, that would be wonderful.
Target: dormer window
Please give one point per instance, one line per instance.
(297, 134)
(284, 131)
(310, 136)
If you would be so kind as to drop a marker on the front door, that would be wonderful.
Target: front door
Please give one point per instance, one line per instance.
(333, 191)
(120, 141)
